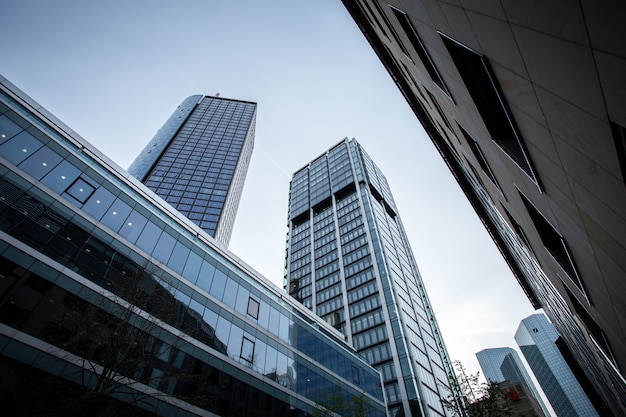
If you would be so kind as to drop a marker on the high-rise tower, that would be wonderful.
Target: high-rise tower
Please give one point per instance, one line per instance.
(348, 259)
(504, 364)
(198, 160)
(537, 339)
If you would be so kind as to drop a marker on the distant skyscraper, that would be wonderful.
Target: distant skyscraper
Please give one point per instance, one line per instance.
(198, 160)
(504, 364)
(537, 338)
(348, 260)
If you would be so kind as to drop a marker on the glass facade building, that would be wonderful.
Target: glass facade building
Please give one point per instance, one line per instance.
(504, 364)
(107, 293)
(198, 160)
(537, 339)
(348, 260)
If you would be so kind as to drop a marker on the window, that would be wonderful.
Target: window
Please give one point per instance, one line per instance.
(485, 91)
(393, 32)
(480, 157)
(619, 135)
(253, 308)
(554, 243)
(247, 350)
(415, 40)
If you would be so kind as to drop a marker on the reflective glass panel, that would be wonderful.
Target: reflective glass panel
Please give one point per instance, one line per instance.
(149, 237)
(80, 190)
(8, 128)
(99, 202)
(179, 257)
(205, 277)
(20, 147)
(219, 282)
(61, 177)
(41, 162)
(133, 226)
(164, 247)
(115, 216)
(230, 294)
(192, 267)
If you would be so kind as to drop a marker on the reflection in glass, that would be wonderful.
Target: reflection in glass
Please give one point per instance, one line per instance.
(205, 278)
(149, 237)
(132, 227)
(179, 257)
(219, 282)
(192, 267)
(99, 203)
(164, 247)
(41, 162)
(230, 294)
(116, 215)
(61, 177)
(19, 148)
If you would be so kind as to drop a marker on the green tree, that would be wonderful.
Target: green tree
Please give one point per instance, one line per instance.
(481, 399)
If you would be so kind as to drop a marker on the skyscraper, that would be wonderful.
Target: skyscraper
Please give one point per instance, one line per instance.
(504, 364)
(198, 160)
(113, 303)
(348, 259)
(526, 104)
(537, 338)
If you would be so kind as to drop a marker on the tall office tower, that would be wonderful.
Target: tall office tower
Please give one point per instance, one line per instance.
(537, 338)
(198, 160)
(526, 103)
(112, 303)
(348, 260)
(504, 364)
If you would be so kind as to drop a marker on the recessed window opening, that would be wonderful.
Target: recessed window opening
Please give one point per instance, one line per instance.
(619, 136)
(484, 89)
(418, 45)
(555, 244)
(439, 110)
(371, 13)
(392, 30)
(480, 157)
(253, 308)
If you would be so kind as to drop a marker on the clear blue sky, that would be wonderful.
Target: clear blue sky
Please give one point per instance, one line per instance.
(115, 70)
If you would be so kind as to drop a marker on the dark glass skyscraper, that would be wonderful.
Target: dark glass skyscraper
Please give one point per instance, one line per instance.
(198, 160)
(537, 339)
(348, 260)
(504, 364)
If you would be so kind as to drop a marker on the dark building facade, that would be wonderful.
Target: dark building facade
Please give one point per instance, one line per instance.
(348, 260)
(525, 101)
(112, 303)
(504, 364)
(198, 160)
(537, 338)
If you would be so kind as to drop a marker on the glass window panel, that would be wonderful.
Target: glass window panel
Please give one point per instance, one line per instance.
(264, 314)
(283, 331)
(260, 351)
(20, 147)
(192, 267)
(243, 297)
(133, 226)
(149, 237)
(210, 317)
(41, 162)
(196, 306)
(234, 341)
(61, 177)
(8, 128)
(222, 331)
(230, 294)
(219, 282)
(116, 215)
(80, 190)
(274, 321)
(164, 247)
(247, 350)
(270, 361)
(205, 277)
(253, 308)
(99, 202)
(281, 369)
(179, 257)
